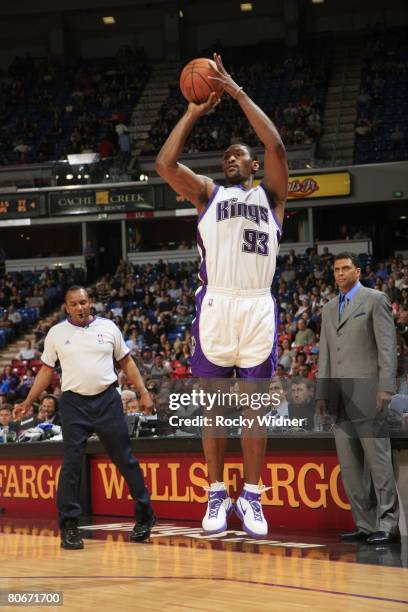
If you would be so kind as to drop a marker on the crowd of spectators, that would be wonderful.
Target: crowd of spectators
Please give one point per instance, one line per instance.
(290, 89)
(153, 305)
(25, 300)
(49, 109)
(382, 126)
(27, 296)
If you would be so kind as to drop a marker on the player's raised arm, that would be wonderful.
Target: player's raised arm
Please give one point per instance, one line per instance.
(275, 163)
(196, 188)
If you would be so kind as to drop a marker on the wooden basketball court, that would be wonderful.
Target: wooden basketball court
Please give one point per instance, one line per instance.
(179, 569)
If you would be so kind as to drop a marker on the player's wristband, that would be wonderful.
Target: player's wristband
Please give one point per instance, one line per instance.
(238, 92)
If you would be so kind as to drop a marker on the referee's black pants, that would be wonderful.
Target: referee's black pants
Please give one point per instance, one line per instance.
(82, 415)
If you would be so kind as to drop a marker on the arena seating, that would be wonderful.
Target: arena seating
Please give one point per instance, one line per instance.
(49, 109)
(154, 306)
(26, 296)
(289, 86)
(383, 99)
(137, 297)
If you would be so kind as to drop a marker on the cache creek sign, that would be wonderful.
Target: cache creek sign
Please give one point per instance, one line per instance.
(101, 201)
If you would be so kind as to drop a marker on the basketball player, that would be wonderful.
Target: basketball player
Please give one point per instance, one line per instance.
(239, 228)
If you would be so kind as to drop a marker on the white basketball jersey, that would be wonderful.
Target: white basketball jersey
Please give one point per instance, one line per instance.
(238, 239)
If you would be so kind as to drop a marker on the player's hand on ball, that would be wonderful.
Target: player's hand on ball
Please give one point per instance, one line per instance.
(223, 77)
(202, 109)
(146, 403)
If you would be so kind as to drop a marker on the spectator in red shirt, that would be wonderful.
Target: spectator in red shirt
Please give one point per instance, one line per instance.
(106, 148)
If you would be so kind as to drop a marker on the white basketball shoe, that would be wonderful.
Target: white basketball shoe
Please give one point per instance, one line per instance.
(218, 509)
(249, 510)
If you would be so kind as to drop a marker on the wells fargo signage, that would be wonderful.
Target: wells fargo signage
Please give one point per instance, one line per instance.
(306, 489)
(29, 486)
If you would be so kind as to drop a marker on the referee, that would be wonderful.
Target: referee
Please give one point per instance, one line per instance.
(86, 347)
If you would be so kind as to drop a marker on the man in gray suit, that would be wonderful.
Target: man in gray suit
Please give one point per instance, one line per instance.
(357, 376)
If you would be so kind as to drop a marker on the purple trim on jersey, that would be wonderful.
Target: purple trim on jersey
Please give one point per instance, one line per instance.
(263, 370)
(267, 368)
(200, 365)
(214, 193)
(274, 354)
(270, 202)
(202, 273)
(124, 357)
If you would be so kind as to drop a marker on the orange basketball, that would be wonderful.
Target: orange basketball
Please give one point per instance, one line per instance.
(194, 82)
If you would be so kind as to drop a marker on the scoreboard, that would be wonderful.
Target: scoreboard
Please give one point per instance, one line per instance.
(16, 207)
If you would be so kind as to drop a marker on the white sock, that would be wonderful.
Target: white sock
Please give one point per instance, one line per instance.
(251, 488)
(217, 486)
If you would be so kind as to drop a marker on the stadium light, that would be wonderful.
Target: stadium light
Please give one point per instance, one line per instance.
(246, 7)
(79, 159)
(317, 1)
(108, 20)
